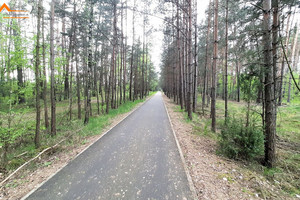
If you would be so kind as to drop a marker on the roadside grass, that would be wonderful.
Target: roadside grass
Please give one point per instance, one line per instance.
(23, 149)
(286, 175)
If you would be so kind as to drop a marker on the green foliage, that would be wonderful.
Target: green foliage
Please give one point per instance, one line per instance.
(14, 163)
(47, 163)
(288, 122)
(270, 172)
(240, 142)
(249, 86)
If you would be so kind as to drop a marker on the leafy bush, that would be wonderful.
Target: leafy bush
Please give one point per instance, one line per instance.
(240, 142)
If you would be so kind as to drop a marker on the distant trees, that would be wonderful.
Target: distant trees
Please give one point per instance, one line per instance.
(179, 78)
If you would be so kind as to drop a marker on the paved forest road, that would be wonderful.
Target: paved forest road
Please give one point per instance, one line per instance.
(138, 159)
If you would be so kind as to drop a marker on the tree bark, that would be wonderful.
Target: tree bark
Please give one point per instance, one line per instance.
(195, 60)
(270, 110)
(226, 64)
(280, 95)
(45, 75)
(213, 87)
(132, 53)
(207, 59)
(37, 77)
(89, 68)
(52, 97)
(189, 64)
(293, 61)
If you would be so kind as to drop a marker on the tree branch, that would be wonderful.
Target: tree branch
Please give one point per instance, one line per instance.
(290, 69)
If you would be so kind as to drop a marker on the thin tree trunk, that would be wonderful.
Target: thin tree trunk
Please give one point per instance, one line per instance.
(89, 70)
(122, 56)
(275, 28)
(45, 75)
(53, 106)
(207, 59)
(131, 64)
(226, 64)
(125, 61)
(213, 87)
(77, 84)
(293, 63)
(37, 77)
(195, 61)
(281, 93)
(71, 51)
(190, 58)
(179, 59)
(113, 60)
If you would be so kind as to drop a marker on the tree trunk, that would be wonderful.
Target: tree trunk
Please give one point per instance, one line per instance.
(207, 59)
(226, 64)
(37, 77)
(189, 64)
(179, 58)
(213, 85)
(270, 109)
(89, 69)
(293, 61)
(125, 61)
(131, 62)
(113, 59)
(281, 93)
(71, 52)
(195, 61)
(275, 28)
(52, 97)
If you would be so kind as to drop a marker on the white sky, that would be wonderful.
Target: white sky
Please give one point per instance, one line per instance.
(156, 38)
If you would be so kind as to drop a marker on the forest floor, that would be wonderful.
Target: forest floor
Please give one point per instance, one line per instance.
(217, 177)
(78, 137)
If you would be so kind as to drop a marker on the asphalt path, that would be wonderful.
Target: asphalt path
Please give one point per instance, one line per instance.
(137, 159)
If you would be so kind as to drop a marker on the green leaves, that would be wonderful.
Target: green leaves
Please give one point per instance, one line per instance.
(240, 142)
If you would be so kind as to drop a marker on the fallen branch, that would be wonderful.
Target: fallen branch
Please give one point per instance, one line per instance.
(22, 154)
(32, 159)
(290, 69)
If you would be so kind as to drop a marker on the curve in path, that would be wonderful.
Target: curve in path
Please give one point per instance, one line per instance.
(137, 159)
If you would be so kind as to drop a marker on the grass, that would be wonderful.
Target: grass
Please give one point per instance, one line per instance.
(286, 175)
(65, 128)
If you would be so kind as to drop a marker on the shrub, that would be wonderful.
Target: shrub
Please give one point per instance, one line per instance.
(239, 142)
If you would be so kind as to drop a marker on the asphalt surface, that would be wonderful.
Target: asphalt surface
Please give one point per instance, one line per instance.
(137, 159)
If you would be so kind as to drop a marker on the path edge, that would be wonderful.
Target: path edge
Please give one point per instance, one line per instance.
(102, 135)
(189, 178)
